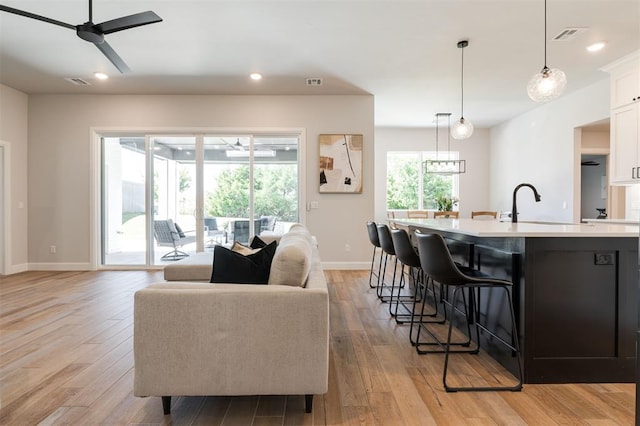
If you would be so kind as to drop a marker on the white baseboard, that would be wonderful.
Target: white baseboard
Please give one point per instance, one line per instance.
(60, 267)
(346, 265)
(16, 269)
(87, 266)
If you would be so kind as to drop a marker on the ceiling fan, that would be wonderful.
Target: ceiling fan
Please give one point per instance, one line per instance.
(95, 33)
(237, 145)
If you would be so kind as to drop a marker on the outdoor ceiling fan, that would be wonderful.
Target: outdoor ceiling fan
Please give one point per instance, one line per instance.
(94, 33)
(237, 145)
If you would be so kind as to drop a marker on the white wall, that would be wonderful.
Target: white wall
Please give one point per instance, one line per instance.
(474, 184)
(538, 147)
(13, 134)
(59, 161)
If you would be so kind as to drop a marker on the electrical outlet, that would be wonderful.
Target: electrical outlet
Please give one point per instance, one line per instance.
(52, 249)
(603, 259)
(347, 247)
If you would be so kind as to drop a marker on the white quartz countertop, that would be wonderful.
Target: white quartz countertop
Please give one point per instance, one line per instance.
(495, 228)
(608, 221)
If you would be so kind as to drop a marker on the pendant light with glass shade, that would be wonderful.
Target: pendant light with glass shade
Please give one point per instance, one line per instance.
(549, 83)
(462, 128)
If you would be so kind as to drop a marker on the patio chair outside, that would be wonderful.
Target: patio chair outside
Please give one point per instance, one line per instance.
(268, 223)
(241, 230)
(214, 235)
(167, 235)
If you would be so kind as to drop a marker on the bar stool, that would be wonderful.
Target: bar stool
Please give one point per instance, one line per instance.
(372, 230)
(484, 213)
(438, 264)
(408, 257)
(417, 214)
(386, 243)
(454, 215)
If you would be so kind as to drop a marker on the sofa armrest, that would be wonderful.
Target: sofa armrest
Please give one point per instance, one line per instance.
(230, 339)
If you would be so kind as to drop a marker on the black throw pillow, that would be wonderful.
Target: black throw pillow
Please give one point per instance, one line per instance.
(256, 242)
(179, 230)
(232, 267)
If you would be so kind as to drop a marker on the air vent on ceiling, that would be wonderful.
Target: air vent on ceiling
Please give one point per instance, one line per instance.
(77, 81)
(315, 81)
(569, 34)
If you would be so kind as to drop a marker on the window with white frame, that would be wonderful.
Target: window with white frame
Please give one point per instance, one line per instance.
(409, 187)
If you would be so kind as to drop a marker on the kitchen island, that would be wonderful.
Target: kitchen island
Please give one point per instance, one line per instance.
(575, 293)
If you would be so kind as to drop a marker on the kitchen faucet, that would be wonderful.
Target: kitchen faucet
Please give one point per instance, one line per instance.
(514, 208)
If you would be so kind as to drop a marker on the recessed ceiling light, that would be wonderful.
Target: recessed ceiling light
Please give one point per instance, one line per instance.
(255, 76)
(100, 75)
(596, 46)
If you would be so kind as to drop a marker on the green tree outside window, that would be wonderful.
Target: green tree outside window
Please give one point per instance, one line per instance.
(404, 171)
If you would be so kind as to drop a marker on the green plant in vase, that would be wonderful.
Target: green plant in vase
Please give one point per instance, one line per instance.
(445, 203)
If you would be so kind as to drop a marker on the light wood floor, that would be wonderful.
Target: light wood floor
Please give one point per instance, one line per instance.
(66, 358)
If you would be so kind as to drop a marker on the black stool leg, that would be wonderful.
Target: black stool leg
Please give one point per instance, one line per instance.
(515, 348)
(373, 273)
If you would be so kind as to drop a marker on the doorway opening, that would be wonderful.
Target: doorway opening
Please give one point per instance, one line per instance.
(593, 187)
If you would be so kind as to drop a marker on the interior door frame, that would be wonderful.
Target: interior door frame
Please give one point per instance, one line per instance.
(97, 133)
(5, 208)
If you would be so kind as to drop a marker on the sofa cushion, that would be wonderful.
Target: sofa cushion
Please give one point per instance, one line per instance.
(232, 267)
(196, 267)
(292, 260)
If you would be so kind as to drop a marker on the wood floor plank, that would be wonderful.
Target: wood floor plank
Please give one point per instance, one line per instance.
(271, 406)
(101, 382)
(384, 409)
(295, 414)
(241, 411)
(41, 400)
(333, 397)
(66, 342)
(211, 412)
(413, 409)
(65, 416)
(371, 371)
(349, 379)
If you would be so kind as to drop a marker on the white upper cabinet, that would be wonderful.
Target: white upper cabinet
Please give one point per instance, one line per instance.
(625, 153)
(625, 86)
(625, 120)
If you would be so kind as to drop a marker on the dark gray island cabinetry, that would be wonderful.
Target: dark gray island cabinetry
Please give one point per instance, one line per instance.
(575, 291)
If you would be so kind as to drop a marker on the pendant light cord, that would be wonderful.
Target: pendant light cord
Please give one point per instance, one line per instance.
(437, 121)
(545, 34)
(462, 87)
(448, 137)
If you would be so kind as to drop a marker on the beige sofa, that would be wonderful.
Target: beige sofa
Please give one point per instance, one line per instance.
(200, 339)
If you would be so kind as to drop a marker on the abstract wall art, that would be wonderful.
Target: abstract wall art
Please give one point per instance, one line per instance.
(341, 163)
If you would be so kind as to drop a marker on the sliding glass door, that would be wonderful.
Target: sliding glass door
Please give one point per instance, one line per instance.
(207, 189)
(124, 211)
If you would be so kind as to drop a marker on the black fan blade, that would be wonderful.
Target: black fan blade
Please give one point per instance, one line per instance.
(34, 16)
(113, 57)
(126, 22)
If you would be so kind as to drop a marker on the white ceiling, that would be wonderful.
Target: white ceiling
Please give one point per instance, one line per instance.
(402, 52)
